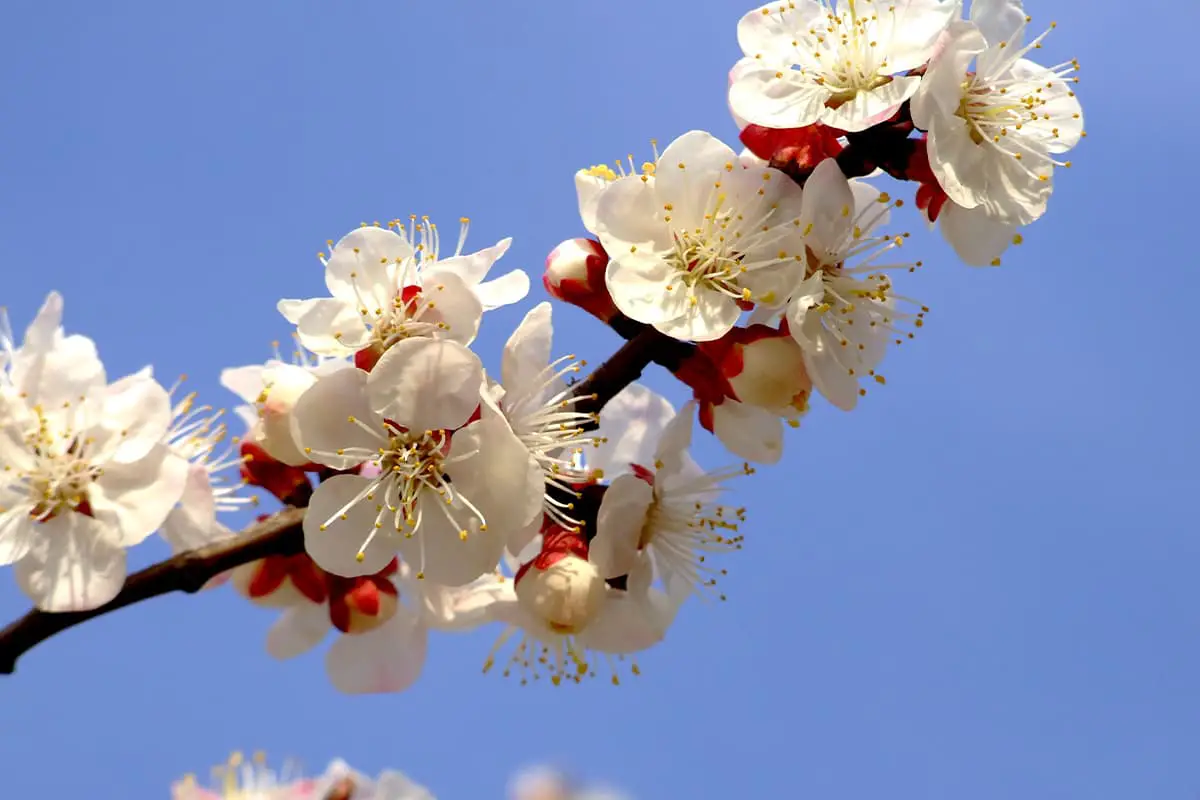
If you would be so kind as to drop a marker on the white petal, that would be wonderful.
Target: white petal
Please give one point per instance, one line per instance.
(619, 523)
(134, 499)
(769, 31)
(777, 97)
(918, 25)
(868, 108)
(588, 189)
(194, 522)
(754, 434)
(439, 552)
(999, 20)
(828, 208)
(324, 418)
(830, 377)
(335, 549)
(73, 566)
(502, 478)
(628, 215)
(959, 164)
(246, 382)
(326, 326)
(685, 174)
(18, 532)
(677, 436)
(710, 317)
(298, 630)
(638, 283)
(358, 266)
(134, 414)
(511, 287)
(456, 304)
(528, 352)
(473, 267)
(627, 623)
(387, 659)
(975, 237)
(426, 384)
(630, 425)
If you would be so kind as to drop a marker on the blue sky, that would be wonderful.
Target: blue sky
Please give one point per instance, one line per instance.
(980, 584)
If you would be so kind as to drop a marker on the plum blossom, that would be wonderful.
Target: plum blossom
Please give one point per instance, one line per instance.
(996, 120)
(845, 312)
(563, 615)
(660, 505)
(697, 237)
(85, 473)
(453, 479)
(389, 284)
(539, 405)
(840, 63)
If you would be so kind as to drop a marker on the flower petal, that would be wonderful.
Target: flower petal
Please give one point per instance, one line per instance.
(327, 421)
(511, 287)
(709, 317)
(426, 384)
(777, 97)
(387, 659)
(527, 353)
(298, 630)
(326, 326)
(73, 566)
(341, 516)
(619, 523)
(358, 266)
(630, 425)
(645, 287)
(752, 433)
(136, 498)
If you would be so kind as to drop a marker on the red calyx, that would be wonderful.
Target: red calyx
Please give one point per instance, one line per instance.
(306, 576)
(289, 484)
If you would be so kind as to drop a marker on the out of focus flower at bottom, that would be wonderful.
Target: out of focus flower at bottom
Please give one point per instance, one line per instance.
(239, 779)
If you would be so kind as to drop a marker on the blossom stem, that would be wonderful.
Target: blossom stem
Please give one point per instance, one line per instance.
(279, 534)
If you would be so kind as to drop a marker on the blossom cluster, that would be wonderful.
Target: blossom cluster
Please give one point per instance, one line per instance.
(240, 778)
(447, 497)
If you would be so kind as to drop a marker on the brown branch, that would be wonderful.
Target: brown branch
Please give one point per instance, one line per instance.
(644, 346)
(279, 534)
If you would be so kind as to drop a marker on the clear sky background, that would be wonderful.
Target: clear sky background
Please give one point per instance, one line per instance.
(981, 584)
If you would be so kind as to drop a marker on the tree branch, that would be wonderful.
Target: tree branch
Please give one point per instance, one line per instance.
(279, 534)
(644, 346)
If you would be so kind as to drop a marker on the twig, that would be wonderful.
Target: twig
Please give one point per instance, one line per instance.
(279, 534)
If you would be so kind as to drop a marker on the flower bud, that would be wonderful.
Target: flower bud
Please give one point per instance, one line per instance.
(283, 386)
(280, 581)
(359, 605)
(575, 274)
(566, 595)
(764, 367)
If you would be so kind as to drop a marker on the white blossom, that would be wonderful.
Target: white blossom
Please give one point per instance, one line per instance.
(449, 489)
(388, 284)
(996, 120)
(698, 235)
(84, 472)
(840, 63)
(661, 505)
(539, 405)
(845, 313)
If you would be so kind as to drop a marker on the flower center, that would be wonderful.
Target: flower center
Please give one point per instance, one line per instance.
(703, 261)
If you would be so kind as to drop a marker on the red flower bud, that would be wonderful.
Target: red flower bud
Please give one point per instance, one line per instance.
(575, 275)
